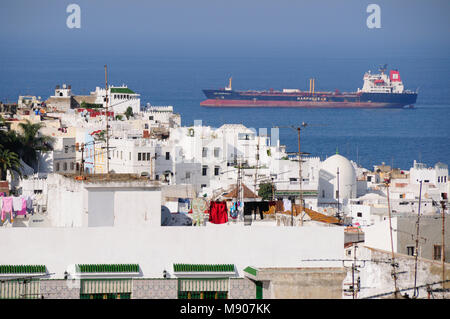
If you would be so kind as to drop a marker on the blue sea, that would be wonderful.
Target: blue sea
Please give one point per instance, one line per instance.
(396, 137)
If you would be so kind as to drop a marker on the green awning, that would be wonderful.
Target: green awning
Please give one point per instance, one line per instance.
(104, 286)
(122, 90)
(108, 268)
(22, 269)
(203, 284)
(295, 193)
(203, 267)
(251, 270)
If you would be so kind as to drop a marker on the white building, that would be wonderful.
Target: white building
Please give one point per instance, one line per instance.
(437, 175)
(120, 98)
(337, 182)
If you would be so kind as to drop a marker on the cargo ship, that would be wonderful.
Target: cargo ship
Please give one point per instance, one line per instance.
(379, 91)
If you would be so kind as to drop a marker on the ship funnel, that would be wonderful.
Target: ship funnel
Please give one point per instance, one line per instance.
(229, 83)
(311, 85)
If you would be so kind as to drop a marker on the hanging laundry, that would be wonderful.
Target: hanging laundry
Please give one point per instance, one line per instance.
(17, 203)
(218, 212)
(234, 210)
(23, 210)
(30, 209)
(256, 208)
(183, 205)
(287, 204)
(7, 208)
(279, 207)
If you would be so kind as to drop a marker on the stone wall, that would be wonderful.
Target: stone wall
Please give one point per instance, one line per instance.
(155, 289)
(242, 288)
(302, 283)
(58, 289)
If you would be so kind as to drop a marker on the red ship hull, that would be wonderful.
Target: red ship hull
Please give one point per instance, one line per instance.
(305, 104)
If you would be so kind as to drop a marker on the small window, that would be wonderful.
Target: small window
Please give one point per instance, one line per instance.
(204, 152)
(139, 156)
(437, 252)
(66, 149)
(204, 170)
(148, 157)
(157, 177)
(72, 166)
(410, 250)
(216, 152)
(188, 175)
(65, 166)
(57, 167)
(129, 156)
(167, 155)
(216, 170)
(203, 186)
(359, 214)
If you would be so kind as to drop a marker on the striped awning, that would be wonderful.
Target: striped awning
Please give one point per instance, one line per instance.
(19, 289)
(102, 286)
(204, 284)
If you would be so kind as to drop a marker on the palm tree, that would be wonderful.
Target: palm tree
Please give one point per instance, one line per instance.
(32, 142)
(9, 161)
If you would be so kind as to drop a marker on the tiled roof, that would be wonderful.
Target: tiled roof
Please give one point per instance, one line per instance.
(247, 193)
(318, 217)
(22, 269)
(108, 268)
(203, 268)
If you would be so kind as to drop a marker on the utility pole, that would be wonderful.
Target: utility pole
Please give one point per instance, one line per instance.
(107, 124)
(82, 160)
(394, 271)
(443, 248)
(300, 176)
(298, 128)
(338, 199)
(256, 167)
(416, 252)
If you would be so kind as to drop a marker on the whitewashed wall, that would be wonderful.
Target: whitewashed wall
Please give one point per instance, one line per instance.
(155, 249)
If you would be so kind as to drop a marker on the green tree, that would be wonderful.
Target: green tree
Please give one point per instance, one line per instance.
(33, 142)
(129, 112)
(9, 161)
(265, 191)
(100, 136)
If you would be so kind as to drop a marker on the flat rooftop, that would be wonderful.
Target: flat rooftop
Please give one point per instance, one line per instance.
(113, 177)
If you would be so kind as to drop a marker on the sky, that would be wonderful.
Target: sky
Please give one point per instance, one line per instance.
(232, 28)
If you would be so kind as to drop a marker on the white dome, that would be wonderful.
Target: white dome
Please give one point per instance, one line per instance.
(347, 175)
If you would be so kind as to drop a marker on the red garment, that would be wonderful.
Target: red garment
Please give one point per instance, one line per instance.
(218, 213)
